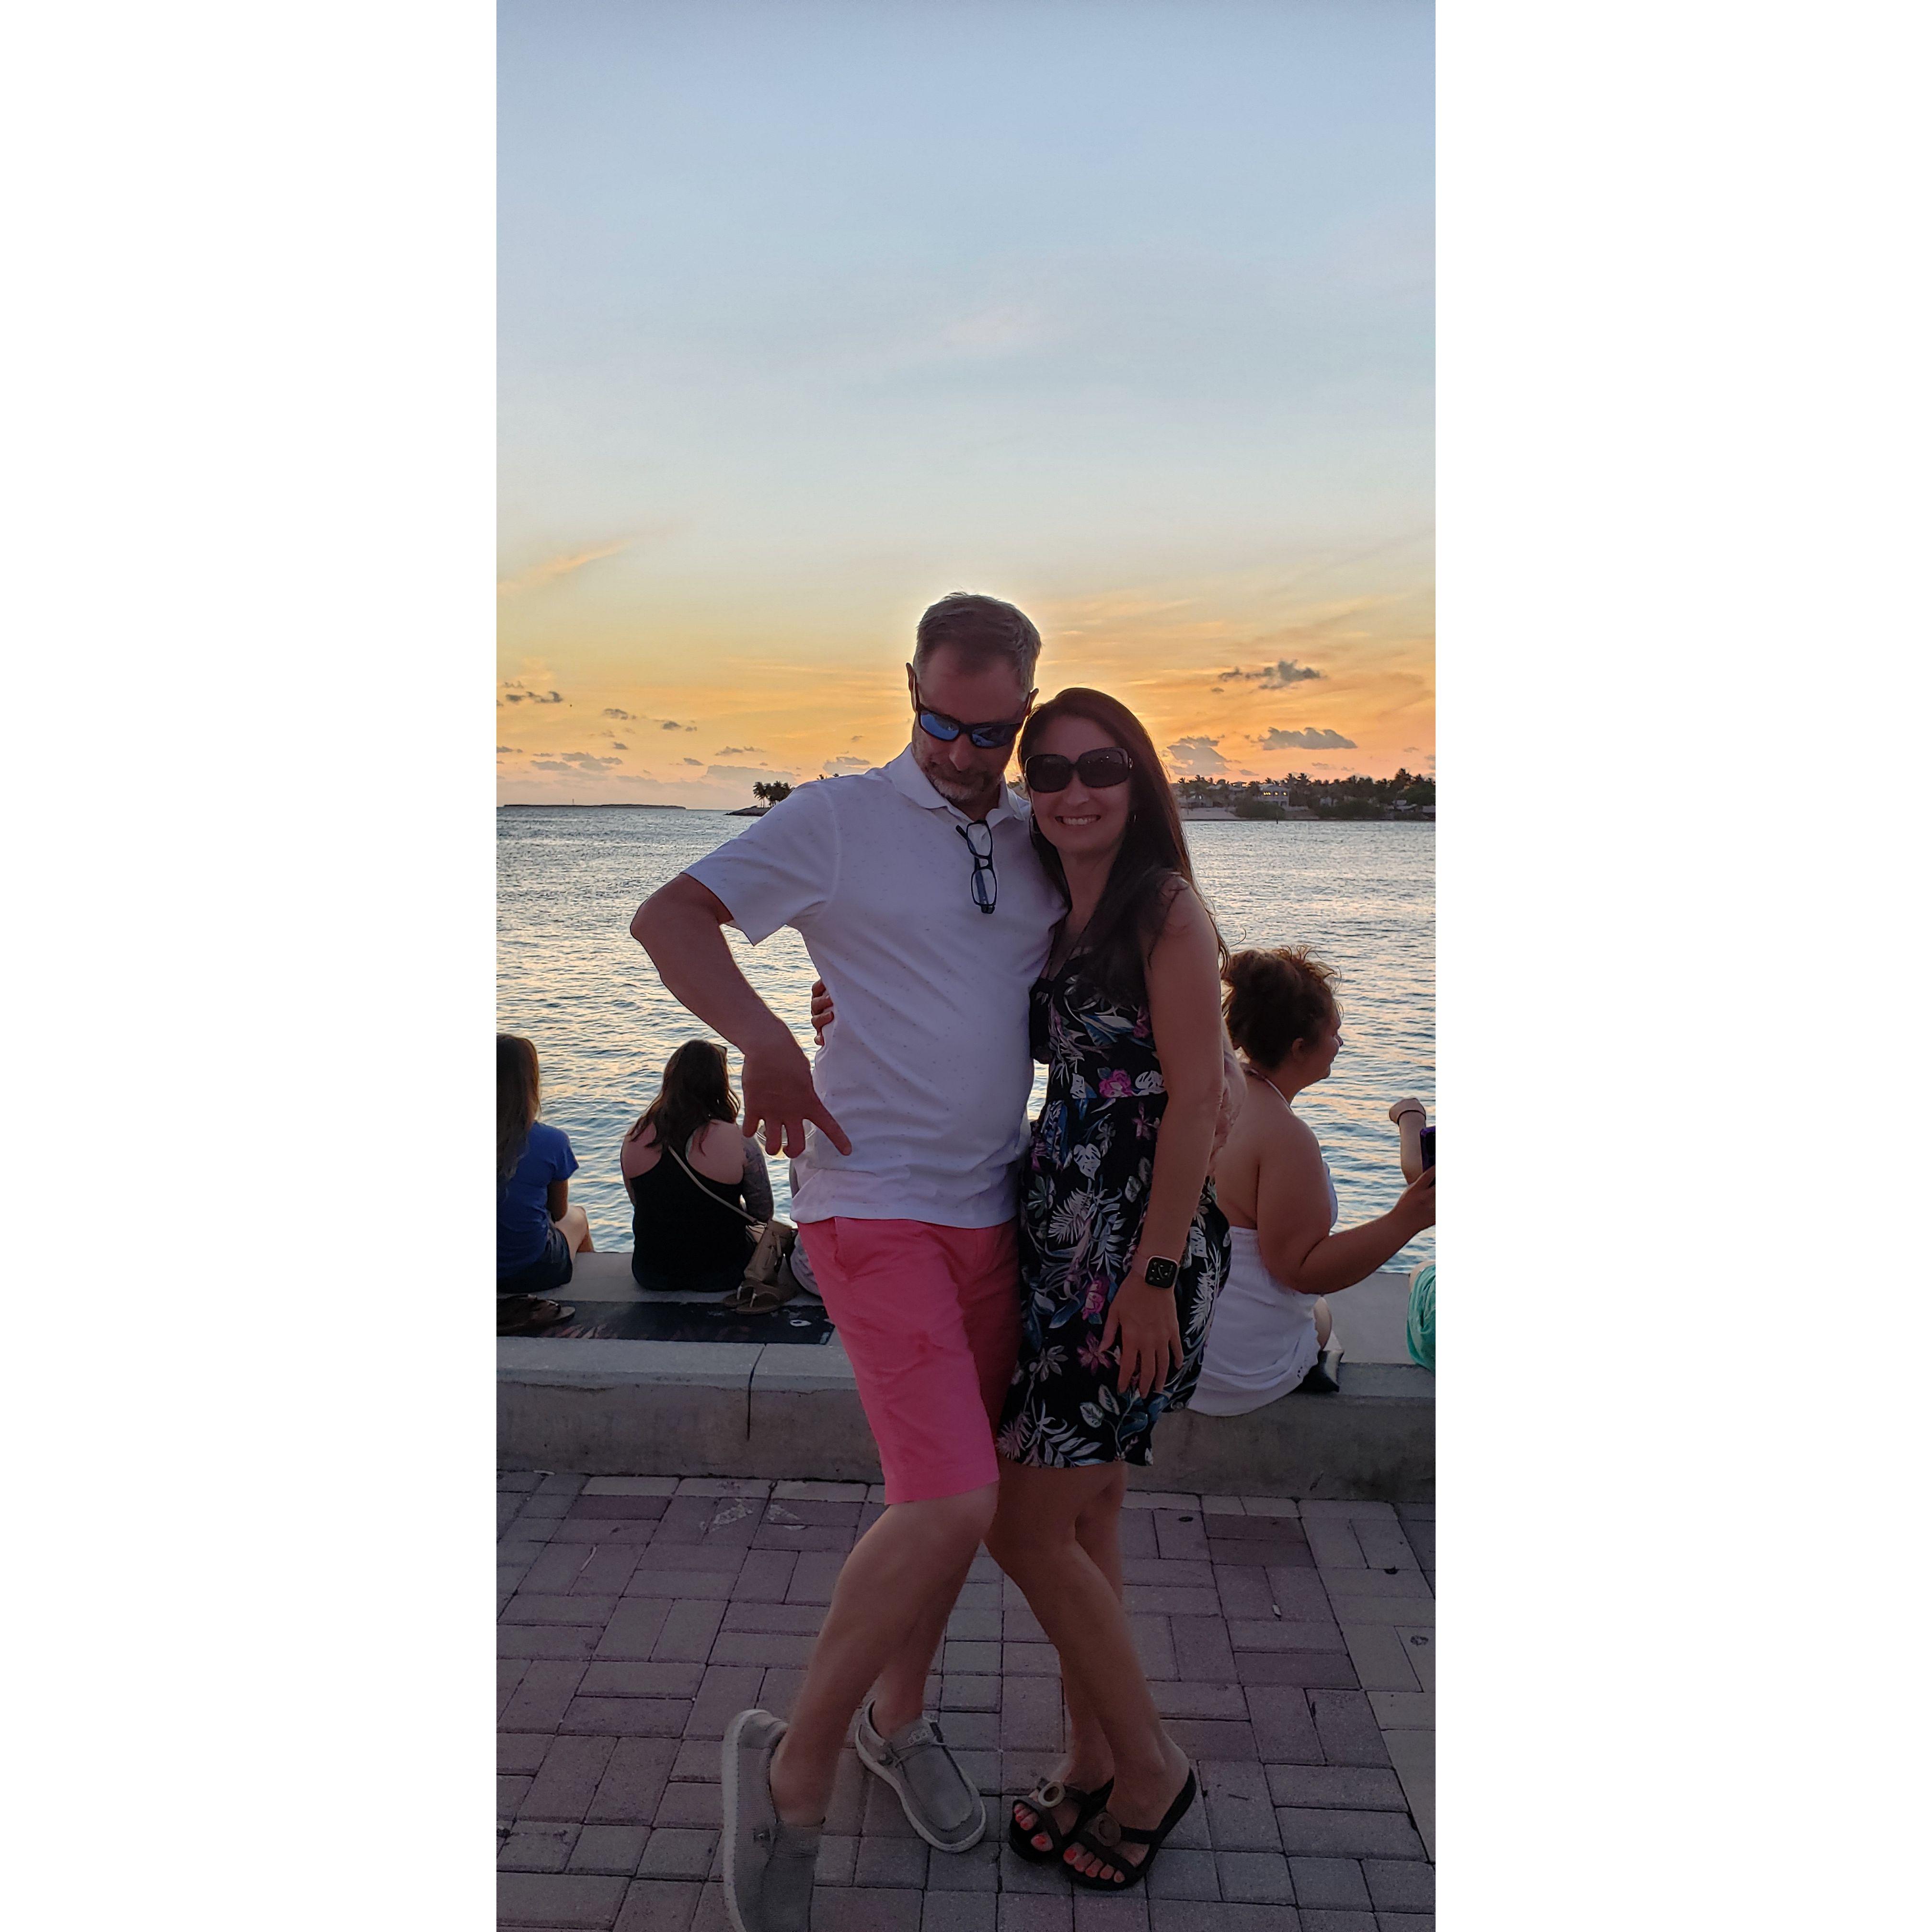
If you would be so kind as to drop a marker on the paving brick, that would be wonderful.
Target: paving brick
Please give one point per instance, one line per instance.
(688, 1633)
(1243, 1593)
(781, 1686)
(1404, 1710)
(608, 1569)
(637, 1533)
(1284, 1727)
(510, 1794)
(966, 1626)
(521, 1753)
(1380, 1658)
(1384, 1546)
(838, 1858)
(1334, 1546)
(970, 1694)
(1030, 1659)
(1421, 1540)
(959, 1911)
(509, 1675)
(674, 1852)
(805, 1536)
(761, 1647)
(1208, 1737)
(1099, 1912)
(970, 1659)
(714, 1486)
(1347, 1834)
(567, 1901)
(698, 1759)
(1251, 1633)
(563, 1789)
(1168, 1916)
(1201, 1647)
(1263, 1556)
(978, 1869)
(633, 1628)
(1185, 1573)
(1348, 1509)
(538, 1504)
(1413, 1754)
(1327, 1669)
(1184, 1874)
(692, 1807)
(1259, 1878)
(518, 1481)
(528, 1607)
(822, 1492)
(1019, 1624)
(814, 1576)
(1241, 1814)
(1174, 1599)
(1419, 1647)
(1154, 1641)
(1277, 1532)
(1398, 1612)
(1338, 1921)
(973, 1730)
(1400, 1884)
(1180, 1533)
(633, 1782)
(537, 1848)
(1336, 1787)
(1298, 1596)
(765, 1577)
(796, 1619)
(631, 1485)
(680, 1585)
(1347, 1727)
(1190, 1700)
(628, 1716)
(891, 1861)
(544, 1696)
(727, 1690)
(1333, 1882)
(1137, 1534)
(1275, 1506)
(1223, 1506)
(1405, 1921)
(710, 1915)
(1030, 1714)
(610, 1849)
(557, 1566)
(634, 1679)
(618, 1509)
(860, 1911)
(1345, 1586)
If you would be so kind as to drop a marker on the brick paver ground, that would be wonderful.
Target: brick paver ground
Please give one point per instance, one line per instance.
(1291, 1647)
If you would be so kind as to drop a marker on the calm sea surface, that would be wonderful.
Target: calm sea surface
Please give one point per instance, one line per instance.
(570, 976)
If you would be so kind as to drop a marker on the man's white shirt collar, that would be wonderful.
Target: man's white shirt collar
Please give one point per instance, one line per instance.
(905, 774)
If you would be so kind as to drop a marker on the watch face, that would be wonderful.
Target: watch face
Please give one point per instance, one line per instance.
(1162, 1273)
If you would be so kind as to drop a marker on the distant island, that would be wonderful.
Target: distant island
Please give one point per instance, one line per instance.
(1297, 796)
(595, 805)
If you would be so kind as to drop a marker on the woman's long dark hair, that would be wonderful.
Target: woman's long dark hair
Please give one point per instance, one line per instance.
(518, 1101)
(1153, 859)
(697, 1090)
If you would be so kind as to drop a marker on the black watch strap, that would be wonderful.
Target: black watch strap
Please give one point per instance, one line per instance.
(1159, 1272)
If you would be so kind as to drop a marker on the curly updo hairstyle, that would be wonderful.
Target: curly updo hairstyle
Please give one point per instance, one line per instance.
(1276, 996)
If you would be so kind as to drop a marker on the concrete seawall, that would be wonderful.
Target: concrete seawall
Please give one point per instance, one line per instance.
(780, 1410)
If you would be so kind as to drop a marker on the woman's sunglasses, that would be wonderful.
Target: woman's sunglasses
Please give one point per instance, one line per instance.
(1047, 771)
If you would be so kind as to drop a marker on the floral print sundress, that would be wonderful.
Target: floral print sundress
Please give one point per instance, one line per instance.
(1085, 1199)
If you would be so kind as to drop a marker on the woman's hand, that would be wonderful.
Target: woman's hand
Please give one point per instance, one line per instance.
(822, 1015)
(1143, 1321)
(1417, 1204)
(1408, 1104)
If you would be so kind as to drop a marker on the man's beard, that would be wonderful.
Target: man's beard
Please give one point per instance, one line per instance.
(961, 791)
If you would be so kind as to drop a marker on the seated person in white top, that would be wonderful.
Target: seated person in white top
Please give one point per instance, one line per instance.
(1271, 1321)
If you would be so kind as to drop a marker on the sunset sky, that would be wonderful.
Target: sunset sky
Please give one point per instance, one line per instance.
(812, 313)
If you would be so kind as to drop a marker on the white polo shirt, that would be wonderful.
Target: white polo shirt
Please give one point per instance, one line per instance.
(926, 1066)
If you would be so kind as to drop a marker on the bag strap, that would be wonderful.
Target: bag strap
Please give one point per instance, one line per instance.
(706, 1192)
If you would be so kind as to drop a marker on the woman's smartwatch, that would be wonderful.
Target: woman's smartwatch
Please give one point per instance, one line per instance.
(1159, 1272)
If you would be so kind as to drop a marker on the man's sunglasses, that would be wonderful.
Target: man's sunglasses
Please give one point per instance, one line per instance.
(989, 737)
(1047, 771)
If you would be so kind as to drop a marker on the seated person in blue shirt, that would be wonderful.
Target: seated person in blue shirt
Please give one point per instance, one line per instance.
(537, 1231)
(688, 1228)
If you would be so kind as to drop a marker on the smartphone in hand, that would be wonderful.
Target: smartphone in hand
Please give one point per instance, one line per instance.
(1428, 1147)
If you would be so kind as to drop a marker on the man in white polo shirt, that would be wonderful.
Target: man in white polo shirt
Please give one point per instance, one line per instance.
(919, 896)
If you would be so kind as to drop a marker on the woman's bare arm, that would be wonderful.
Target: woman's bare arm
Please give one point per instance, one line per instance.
(1292, 1202)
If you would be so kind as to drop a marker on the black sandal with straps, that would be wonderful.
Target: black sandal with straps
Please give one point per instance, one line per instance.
(1102, 1837)
(1040, 1801)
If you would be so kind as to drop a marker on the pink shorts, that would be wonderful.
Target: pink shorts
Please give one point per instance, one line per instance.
(930, 1318)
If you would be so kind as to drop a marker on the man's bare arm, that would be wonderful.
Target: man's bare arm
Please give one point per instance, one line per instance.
(682, 926)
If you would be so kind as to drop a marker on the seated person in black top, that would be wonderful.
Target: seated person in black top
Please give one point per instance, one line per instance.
(686, 1229)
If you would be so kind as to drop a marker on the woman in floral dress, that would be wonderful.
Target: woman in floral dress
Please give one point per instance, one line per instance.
(1122, 1250)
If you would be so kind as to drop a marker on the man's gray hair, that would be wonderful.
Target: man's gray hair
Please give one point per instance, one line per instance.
(983, 630)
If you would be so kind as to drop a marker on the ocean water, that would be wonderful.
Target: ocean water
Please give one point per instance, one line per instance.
(571, 977)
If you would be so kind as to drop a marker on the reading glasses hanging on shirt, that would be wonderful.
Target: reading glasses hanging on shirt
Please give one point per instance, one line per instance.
(979, 837)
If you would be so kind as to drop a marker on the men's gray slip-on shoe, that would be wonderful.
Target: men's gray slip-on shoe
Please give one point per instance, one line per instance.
(768, 1864)
(941, 1801)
